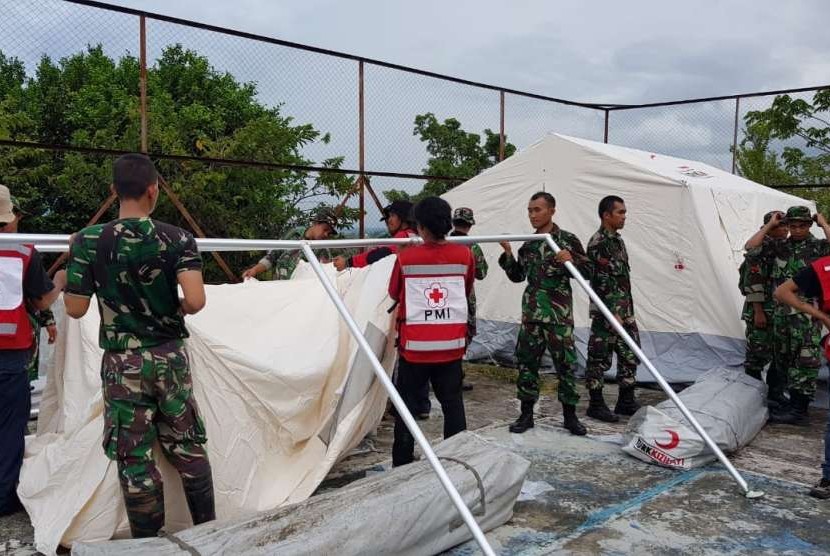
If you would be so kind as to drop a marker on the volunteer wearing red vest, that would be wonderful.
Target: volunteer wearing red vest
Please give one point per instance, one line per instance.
(431, 283)
(22, 278)
(397, 218)
(812, 282)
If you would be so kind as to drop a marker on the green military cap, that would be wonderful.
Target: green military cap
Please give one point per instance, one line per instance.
(464, 215)
(325, 215)
(799, 214)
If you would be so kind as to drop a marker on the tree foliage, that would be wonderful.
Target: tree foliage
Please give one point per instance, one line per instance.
(453, 152)
(91, 100)
(802, 129)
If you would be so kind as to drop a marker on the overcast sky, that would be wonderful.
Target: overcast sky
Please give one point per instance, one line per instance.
(612, 52)
(622, 52)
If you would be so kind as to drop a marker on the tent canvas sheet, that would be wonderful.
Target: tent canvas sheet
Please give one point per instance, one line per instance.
(282, 386)
(687, 223)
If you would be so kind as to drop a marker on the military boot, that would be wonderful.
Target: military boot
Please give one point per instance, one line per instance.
(525, 420)
(626, 403)
(797, 412)
(199, 495)
(145, 511)
(597, 408)
(572, 421)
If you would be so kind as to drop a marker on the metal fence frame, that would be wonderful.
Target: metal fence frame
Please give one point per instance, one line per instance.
(362, 172)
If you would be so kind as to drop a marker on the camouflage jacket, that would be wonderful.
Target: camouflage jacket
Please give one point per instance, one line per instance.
(131, 266)
(478, 257)
(787, 257)
(611, 273)
(547, 297)
(755, 280)
(285, 262)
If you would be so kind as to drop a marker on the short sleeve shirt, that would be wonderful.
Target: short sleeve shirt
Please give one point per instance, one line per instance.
(131, 265)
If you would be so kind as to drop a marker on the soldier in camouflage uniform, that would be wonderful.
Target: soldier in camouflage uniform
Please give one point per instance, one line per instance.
(755, 283)
(462, 222)
(323, 225)
(133, 265)
(797, 335)
(611, 280)
(39, 319)
(547, 311)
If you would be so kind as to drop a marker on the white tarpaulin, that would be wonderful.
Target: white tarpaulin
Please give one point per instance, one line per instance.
(279, 380)
(687, 223)
(730, 406)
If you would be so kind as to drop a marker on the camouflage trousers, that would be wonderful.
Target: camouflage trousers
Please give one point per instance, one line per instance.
(602, 345)
(797, 350)
(761, 351)
(148, 396)
(534, 339)
(34, 360)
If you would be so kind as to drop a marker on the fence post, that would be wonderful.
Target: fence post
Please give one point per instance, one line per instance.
(501, 126)
(605, 135)
(735, 135)
(361, 149)
(142, 79)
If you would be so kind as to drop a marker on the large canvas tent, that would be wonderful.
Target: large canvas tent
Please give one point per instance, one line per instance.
(283, 389)
(687, 224)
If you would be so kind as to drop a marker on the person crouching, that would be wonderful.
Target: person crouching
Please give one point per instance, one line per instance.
(431, 283)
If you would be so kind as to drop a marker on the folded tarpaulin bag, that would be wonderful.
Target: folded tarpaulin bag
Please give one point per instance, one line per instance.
(728, 404)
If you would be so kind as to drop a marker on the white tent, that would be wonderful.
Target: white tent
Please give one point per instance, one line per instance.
(687, 223)
(282, 387)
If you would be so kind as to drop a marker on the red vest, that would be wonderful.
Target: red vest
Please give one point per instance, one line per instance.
(433, 306)
(15, 327)
(822, 268)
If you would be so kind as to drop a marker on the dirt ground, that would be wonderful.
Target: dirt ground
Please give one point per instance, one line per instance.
(781, 452)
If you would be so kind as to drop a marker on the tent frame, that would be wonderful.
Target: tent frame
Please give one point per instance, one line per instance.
(60, 243)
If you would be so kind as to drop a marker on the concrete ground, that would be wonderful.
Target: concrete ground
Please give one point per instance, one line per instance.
(583, 495)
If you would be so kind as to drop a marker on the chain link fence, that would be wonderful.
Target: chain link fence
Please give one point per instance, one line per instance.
(345, 111)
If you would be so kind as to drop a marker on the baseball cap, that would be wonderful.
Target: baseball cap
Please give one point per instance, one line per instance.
(401, 208)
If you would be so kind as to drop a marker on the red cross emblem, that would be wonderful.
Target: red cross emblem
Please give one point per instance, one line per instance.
(436, 295)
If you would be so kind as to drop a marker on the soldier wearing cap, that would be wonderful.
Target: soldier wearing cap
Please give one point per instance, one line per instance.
(24, 281)
(755, 283)
(323, 225)
(462, 222)
(797, 334)
(398, 220)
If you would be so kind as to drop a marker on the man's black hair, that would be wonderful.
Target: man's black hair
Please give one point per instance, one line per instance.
(546, 196)
(607, 204)
(434, 214)
(132, 174)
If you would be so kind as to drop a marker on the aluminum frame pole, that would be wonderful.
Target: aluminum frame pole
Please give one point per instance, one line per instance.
(397, 401)
(618, 328)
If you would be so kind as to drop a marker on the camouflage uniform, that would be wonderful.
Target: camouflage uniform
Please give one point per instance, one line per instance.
(611, 280)
(131, 266)
(797, 335)
(547, 313)
(39, 320)
(285, 262)
(465, 216)
(755, 283)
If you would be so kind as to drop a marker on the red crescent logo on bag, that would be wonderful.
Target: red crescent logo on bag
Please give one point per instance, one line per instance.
(675, 440)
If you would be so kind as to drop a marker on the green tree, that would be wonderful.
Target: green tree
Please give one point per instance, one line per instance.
(91, 100)
(790, 122)
(453, 152)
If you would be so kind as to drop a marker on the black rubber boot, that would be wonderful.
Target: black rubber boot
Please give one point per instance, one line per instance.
(572, 421)
(145, 511)
(796, 415)
(199, 495)
(626, 404)
(777, 401)
(525, 420)
(597, 408)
